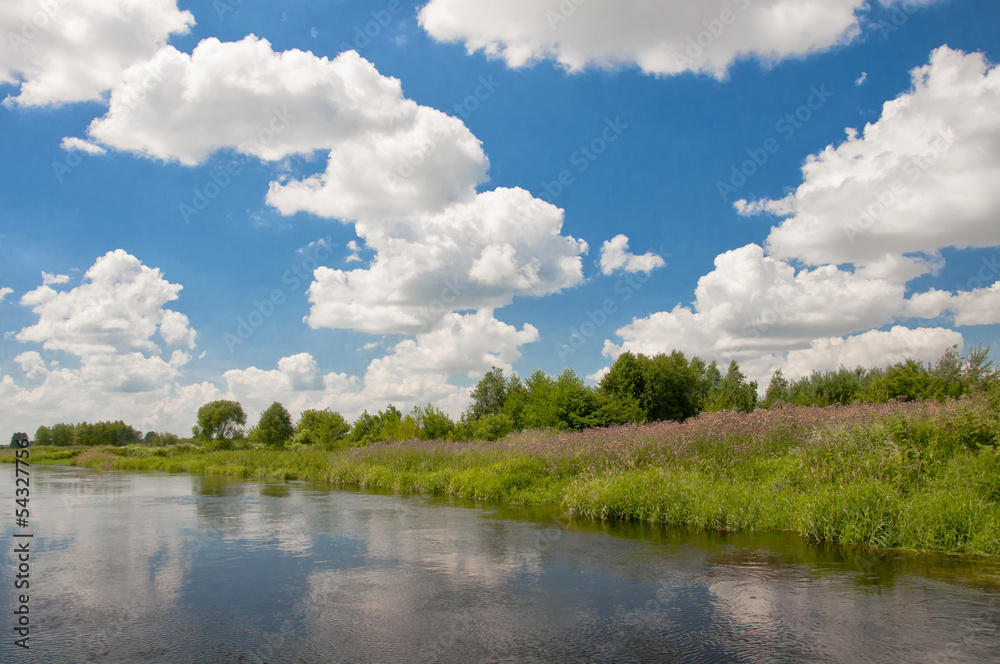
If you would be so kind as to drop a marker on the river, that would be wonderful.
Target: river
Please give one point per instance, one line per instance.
(146, 567)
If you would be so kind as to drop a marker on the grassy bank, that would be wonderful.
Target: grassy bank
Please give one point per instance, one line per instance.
(923, 476)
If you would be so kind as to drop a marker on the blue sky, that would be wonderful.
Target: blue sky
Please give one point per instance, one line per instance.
(459, 191)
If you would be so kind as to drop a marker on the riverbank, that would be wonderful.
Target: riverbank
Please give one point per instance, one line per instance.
(921, 476)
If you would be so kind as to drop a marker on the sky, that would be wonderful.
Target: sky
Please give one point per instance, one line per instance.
(345, 204)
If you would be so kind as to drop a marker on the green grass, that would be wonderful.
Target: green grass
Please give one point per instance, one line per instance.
(924, 477)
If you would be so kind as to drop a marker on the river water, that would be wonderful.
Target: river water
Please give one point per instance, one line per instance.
(129, 567)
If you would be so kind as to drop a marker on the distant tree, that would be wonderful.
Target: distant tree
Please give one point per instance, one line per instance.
(222, 420)
(115, 433)
(63, 435)
(777, 390)
(515, 401)
(734, 392)
(489, 395)
(275, 426)
(435, 424)
(18, 440)
(540, 409)
(43, 436)
(321, 427)
(576, 404)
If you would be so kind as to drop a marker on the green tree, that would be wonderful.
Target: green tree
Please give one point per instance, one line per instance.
(778, 390)
(435, 424)
(734, 392)
(63, 435)
(576, 404)
(43, 436)
(540, 410)
(321, 427)
(274, 429)
(489, 395)
(515, 402)
(220, 420)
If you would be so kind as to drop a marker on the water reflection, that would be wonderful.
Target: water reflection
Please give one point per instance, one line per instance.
(148, 567)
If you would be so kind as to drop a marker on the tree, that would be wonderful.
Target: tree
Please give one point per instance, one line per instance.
(777, 390)
(220, 420)
(733, 392)
(43, 436)
(435, 424)
(321, 427)
(19, 440)
(274, 428)
(540, 410)
(575, 403)
(63, 435)
(489, 395)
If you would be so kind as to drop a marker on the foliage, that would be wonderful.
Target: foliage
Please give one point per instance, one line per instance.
(916, 475)
(115, 433)
(778, 391)
(220, 419)
(732, 393)
(274, 428)
(321, 427)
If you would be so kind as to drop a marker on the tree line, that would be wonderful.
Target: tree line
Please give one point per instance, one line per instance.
(636, 389)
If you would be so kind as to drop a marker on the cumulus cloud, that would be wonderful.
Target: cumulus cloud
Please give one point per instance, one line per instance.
(934, 155)
(117, 308)
(616, 256)
(469, 344)
(752, 303)
(925, 176)
(71, 143)
(105, 330)
(4, 292)
(51, 279)
(405, 175)
(61, 51)
(477, 254)
(867, 350)
(666, 37)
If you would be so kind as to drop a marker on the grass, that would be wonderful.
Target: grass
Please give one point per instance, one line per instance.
(920, 476)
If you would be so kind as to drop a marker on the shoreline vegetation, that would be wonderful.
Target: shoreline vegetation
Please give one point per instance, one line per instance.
(916, 475)
(906, 457)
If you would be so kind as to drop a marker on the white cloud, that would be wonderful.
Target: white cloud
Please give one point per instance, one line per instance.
(980, 306)
(118, 308)
(109, 323)
(71, 143)
(51, 279)
(418, 370)
(4, 292)
(934, 155)
(665, 37)
(615, 256)
(405, 174)
(753, 303)
(868, 350)
(861, 79)
(473, 255)
(60, 51)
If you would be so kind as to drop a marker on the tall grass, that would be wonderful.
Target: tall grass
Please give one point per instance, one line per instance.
(922, 476)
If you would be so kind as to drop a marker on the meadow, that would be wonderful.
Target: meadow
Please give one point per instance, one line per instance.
(923, 476)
